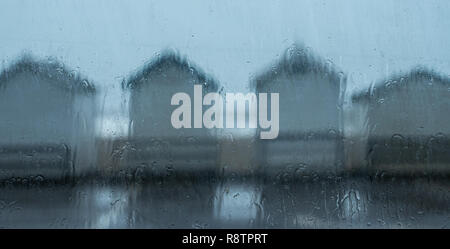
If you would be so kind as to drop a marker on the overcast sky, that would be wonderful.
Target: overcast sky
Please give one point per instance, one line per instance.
(232, 40)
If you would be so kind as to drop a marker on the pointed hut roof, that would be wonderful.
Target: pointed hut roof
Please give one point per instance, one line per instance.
(167, 59)
(51, 69)
(418, 75)
(295, 60)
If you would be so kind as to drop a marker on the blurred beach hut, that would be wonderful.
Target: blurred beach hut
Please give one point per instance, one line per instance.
(152, 142)
(47, 120)
(310, 113)
(407, 123)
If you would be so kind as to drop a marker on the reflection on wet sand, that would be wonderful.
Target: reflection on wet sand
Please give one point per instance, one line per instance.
(285, 203)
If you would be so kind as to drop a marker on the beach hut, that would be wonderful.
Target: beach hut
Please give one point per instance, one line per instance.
(153, 143)
(310, 114)
(47, 120)
(407, 123)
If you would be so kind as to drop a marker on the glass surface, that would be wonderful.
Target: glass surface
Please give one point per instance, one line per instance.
(96, 130)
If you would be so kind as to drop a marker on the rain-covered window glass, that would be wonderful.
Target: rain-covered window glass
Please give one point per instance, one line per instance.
(224, 114)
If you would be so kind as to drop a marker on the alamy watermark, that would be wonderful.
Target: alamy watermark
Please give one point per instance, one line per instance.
(213, 117)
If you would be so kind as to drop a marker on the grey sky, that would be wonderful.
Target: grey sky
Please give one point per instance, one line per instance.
(107, 39)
